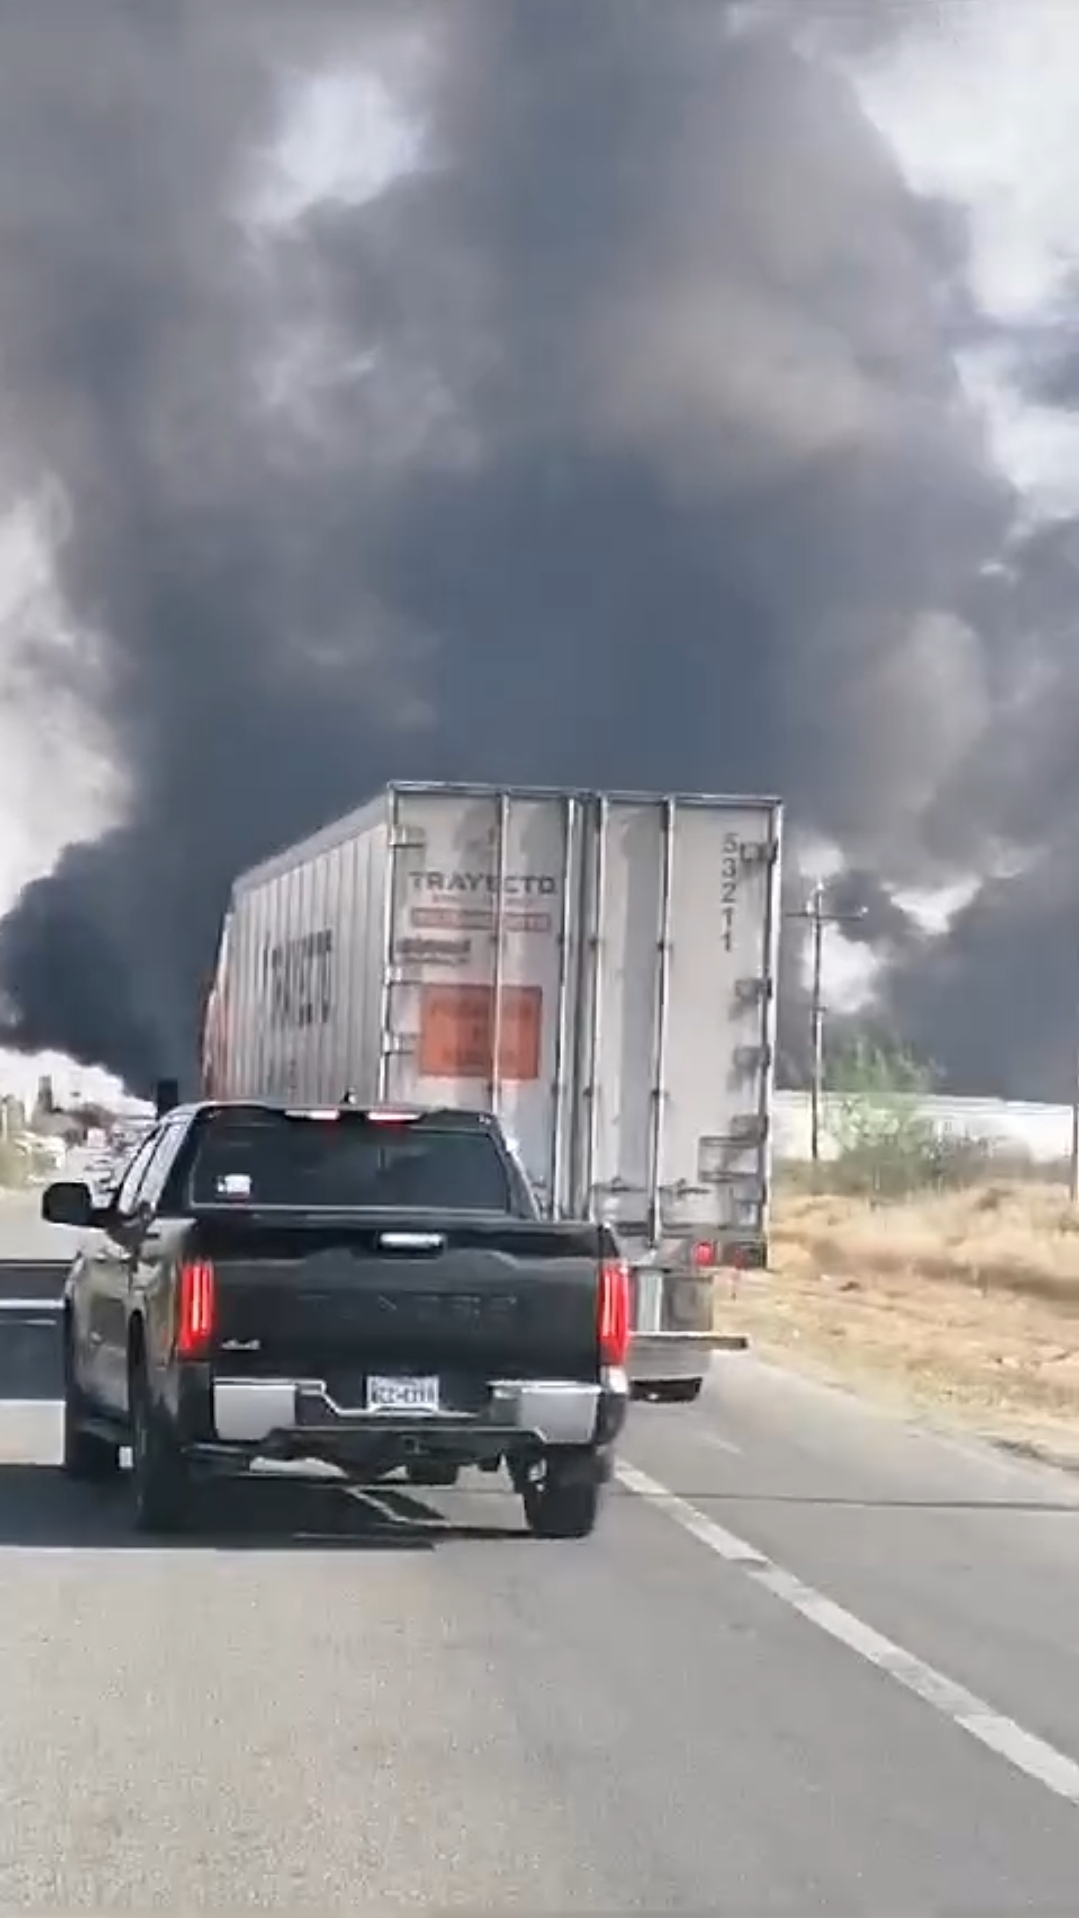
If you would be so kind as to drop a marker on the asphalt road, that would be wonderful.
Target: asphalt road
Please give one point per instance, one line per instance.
(815, 1660)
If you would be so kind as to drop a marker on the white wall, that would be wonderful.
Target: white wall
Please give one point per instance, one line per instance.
(1042, 1130)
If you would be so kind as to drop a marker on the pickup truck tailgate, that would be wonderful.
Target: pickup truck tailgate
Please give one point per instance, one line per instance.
(489, 1296)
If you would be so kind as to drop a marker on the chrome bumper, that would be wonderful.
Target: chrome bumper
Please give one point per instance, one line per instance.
(554, 1411)
(659, 1358)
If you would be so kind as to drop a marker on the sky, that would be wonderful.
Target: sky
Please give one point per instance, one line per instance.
(56, 781)
(626, 393)
(980, 109)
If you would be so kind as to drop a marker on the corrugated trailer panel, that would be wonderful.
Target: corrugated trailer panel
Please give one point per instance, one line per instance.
(677, 1003)
(482, 892)
(622, 914)
(305, 967)
(718, 1057)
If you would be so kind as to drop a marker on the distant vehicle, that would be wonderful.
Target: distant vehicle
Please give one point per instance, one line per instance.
(124, 1141)
(597, 969)
(45, 1146)
(371, 1288)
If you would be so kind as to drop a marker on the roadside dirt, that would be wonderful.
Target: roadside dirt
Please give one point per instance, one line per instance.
(964, 1306)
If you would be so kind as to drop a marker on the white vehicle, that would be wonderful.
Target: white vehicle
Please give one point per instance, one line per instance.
(598, 969)
(49, 1148)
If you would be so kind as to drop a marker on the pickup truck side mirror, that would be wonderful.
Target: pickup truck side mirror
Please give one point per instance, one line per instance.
(69, 1202)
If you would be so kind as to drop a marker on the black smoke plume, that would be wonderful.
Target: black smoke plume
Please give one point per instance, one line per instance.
(596, 422)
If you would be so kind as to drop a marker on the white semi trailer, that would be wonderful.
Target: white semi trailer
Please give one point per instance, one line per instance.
(597, 968)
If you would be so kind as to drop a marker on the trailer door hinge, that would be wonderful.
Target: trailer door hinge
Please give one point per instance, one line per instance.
(754, 852)
(397, 1045)
(752, 991)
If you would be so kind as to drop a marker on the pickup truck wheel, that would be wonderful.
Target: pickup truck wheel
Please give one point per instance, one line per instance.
(561, 1508)
(85, 1455)
(432, 1472)
(159, 1476)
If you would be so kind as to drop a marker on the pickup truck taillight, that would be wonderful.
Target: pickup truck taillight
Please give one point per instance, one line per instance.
(613, 1319)
(197, 1299)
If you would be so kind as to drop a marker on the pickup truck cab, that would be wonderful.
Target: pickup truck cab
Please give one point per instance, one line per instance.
(373, 1288)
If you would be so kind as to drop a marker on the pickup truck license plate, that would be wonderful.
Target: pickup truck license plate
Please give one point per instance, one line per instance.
(402, 1395)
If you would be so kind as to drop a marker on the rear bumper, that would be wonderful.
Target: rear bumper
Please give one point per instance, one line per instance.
(661, 1358)
(297, 1418)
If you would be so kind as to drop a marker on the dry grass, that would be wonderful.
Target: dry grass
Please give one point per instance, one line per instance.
(962, 1302)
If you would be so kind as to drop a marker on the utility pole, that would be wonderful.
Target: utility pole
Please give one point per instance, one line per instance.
(816, 912)
(1073, 1168)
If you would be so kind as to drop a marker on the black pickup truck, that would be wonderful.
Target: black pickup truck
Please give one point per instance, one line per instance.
(373, 1288)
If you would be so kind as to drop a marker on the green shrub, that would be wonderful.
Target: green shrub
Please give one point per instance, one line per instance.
(885, 1145)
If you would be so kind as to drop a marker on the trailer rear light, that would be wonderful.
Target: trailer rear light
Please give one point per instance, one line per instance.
(613, 1312)
(197, 1303)
(703, 1254)
(745, 1255)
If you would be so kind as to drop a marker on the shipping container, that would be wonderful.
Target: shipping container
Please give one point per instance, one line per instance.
(597, 968)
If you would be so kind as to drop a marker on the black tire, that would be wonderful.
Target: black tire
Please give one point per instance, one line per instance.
(86, 1457)
(432, 1472)
(159, 1476)
(679, 1391)
(557, 1507)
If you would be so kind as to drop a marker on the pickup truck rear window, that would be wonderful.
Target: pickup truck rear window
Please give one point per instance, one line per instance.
(278, 1159)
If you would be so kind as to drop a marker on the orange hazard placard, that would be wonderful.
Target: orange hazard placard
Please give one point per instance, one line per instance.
(457, 1032)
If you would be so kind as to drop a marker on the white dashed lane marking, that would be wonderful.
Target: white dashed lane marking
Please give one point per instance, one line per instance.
(973, 1715)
